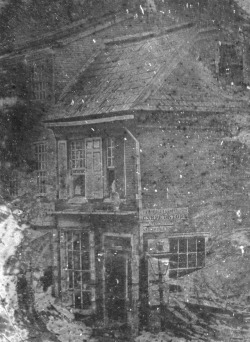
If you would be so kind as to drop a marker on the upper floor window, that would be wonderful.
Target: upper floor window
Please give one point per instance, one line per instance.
(110, 152)
(186, 255)
(41, 166)
(39, 81)
(86, 167)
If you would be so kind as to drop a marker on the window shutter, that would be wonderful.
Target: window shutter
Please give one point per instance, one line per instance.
(94, 179)
(62, 169)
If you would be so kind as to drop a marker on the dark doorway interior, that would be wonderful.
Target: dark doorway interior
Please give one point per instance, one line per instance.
(116, 283)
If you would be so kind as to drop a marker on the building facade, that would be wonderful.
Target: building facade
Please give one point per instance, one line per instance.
(137, 167)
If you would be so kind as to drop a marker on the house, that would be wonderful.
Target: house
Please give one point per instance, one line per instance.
(136, 166)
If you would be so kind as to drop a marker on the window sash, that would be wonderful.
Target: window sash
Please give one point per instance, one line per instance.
(186, 254)
(110, 152)
(86, 167)
(77, 156)
(39, 81)
(41, 169)
(78, 267)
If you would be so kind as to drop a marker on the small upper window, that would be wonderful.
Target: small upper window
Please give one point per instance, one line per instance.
(110, 153)
(77, 161)
(39, 81)
(41, 166)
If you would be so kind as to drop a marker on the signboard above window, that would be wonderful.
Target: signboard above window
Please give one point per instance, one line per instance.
(168, 216)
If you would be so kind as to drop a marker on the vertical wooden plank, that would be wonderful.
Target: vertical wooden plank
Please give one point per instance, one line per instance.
(92, 269)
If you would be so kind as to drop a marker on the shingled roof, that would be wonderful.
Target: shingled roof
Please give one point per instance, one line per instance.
(191, 87)
(154, 71)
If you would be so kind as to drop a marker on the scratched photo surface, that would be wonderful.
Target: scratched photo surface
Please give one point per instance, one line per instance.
(124, 170)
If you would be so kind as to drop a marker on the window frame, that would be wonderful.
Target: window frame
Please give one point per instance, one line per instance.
(185, 254)
(83, 170)
(39, 81)
(77, 172)
(68, 263)
(41, 158)
(110, 153)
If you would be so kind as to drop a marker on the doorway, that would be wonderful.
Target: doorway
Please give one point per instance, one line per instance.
(117, 279)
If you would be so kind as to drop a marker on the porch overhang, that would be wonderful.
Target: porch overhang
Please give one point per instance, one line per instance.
(99, 212)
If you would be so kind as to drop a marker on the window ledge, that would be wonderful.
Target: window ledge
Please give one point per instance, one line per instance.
(78, 200)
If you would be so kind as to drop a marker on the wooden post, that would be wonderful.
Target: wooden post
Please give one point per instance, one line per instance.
(161, 297)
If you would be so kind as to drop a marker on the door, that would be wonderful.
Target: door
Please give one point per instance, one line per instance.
(116, 285)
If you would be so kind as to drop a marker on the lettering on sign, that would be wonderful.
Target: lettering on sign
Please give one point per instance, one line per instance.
(167, 216)
(157, 229)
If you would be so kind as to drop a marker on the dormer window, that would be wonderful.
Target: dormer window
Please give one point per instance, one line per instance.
(39, 81)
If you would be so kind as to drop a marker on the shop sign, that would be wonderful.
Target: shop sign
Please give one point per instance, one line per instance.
(168, 216)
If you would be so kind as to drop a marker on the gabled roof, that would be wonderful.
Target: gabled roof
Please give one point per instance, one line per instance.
(154, 72)
(122, 72)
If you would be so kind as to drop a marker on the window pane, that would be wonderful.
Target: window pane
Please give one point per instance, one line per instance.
(69, 240)
(70, 263)
(173, 274)
(200, 259)
(76, 241)
(97, 166)
(182, 260)
(77, 301)
(182, 245)
(85, 240)
(174, 261)
(86, 300)
(79, 185)
(97, 143)
(85, 277)
(89, 145)
(76, 261)
(173, 245)
(70, 279)
(192, 245)
(192, 260)
(77, 279)
(201, 244)
(85, 261)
